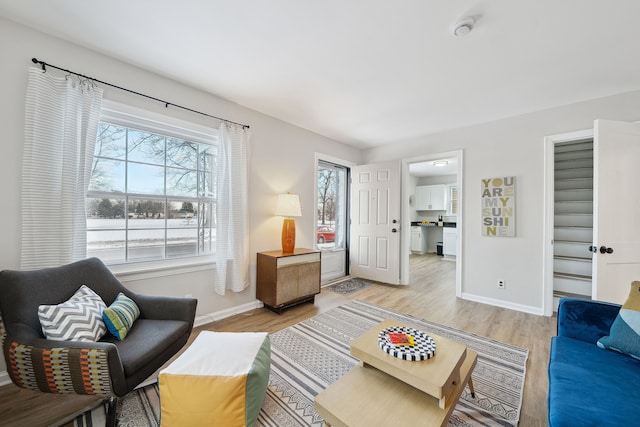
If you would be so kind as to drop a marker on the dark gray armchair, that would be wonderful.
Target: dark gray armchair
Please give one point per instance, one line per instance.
(108, 367)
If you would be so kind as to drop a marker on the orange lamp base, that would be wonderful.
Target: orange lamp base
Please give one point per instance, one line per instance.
(288, 235)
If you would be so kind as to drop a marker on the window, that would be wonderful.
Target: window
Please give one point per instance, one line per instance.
(152, 191)
(332, 206)
(453, 200)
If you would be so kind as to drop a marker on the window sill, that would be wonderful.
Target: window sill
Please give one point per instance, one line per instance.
(161, 268)
(331, 249)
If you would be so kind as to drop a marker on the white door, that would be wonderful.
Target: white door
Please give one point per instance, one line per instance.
(375, 222)
(616, 209)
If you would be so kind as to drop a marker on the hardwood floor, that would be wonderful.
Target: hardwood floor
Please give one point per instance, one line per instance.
(430, 295)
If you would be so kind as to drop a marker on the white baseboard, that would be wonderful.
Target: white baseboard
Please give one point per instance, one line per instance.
(223, 314)
(4, 378)
(199, 321)
(504, 304)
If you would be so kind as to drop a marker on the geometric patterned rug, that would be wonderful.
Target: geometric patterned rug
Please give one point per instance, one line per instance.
(308, 357)
(349, 286)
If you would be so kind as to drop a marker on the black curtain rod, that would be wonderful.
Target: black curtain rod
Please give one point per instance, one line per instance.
(166, 104)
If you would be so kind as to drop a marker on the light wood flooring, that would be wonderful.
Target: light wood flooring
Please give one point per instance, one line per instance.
(430, 295)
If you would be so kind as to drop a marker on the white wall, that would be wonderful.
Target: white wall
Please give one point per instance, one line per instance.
(282, 156)
(436, 179)
(509, 147)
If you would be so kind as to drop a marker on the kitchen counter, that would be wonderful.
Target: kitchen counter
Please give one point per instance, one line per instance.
(433, 224)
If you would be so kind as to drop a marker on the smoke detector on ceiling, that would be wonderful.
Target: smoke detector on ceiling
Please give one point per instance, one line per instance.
(463, 27)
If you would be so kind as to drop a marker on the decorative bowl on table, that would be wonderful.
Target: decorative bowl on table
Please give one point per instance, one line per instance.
(407, 343)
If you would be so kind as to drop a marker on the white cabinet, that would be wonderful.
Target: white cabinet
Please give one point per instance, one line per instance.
(430, 197)
(423, 196)
(418, 240)
(449, 241)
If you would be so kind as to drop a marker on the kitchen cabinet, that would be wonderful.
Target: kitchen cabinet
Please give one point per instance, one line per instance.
(418, 240)
(449, 241)
(287, 279)
(430, 197)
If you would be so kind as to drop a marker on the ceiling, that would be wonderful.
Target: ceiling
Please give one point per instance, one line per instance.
(364, 72)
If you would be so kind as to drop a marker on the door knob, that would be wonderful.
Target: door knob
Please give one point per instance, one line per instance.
(395, 221)
(606, 250)
(394, 230)
(593, 249)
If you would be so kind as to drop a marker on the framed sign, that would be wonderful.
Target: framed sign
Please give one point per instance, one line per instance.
(498, 207)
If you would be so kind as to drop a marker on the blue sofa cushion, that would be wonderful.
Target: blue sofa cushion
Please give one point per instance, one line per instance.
(591, 386)
(585, 320)
(625, 331)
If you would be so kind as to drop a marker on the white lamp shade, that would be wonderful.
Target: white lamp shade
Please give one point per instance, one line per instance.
(288, 205)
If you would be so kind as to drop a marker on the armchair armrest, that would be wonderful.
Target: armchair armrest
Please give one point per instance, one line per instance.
(63, 366)
(166, 308)
(585, 320)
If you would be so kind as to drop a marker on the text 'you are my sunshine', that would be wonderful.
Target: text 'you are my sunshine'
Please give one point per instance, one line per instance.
(498, 206)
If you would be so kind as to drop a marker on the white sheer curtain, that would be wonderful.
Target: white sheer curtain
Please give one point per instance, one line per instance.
(232, 210)
(61, 122)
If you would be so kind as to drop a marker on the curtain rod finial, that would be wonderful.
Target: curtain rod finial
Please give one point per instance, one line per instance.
(35, 61)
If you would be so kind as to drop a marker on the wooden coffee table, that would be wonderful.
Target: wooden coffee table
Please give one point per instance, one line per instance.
(387, 390)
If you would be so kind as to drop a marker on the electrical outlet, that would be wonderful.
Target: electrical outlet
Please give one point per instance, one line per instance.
(500, 283)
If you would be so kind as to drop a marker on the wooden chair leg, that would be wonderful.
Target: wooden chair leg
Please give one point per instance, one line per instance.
(473, 392)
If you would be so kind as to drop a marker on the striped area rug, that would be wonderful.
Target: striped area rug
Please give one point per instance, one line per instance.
(307, 357)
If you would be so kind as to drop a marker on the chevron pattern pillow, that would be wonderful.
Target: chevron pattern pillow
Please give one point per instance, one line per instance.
(624, 335)
(77, 319)
(120, 315)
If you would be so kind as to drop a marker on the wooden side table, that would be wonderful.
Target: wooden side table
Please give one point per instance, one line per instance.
(286, 279)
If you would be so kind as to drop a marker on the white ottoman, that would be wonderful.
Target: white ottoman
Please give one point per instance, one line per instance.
(220, 380)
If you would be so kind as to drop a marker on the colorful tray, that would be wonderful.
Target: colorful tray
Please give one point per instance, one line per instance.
(424, 346)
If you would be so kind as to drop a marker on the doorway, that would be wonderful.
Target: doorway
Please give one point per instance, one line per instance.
(573, 219)
(614, 246)
(438, 179)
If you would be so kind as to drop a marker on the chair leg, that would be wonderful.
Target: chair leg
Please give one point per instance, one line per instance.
(111, 405)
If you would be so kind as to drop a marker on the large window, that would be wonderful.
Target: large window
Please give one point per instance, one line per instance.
(152, 194)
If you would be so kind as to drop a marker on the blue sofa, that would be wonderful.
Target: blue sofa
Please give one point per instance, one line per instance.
(589, 385)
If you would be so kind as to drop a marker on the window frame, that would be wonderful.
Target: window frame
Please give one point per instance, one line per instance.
(148, 121)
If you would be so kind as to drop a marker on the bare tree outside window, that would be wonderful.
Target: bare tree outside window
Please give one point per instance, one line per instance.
(150, 196)
(326, 195)
(331, 206)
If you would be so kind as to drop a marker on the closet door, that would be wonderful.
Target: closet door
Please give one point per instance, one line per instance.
(616, 236)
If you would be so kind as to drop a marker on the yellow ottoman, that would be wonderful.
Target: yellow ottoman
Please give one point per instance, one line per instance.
(220, 380)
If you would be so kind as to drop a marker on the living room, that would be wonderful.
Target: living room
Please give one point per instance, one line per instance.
(283, 154)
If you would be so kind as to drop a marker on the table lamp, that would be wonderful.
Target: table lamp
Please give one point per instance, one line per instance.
(288, 207)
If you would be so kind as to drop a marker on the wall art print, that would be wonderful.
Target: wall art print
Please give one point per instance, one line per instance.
(498, 207)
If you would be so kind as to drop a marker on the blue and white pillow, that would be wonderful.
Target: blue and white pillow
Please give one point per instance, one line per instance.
(77, 319)
(624, 335)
